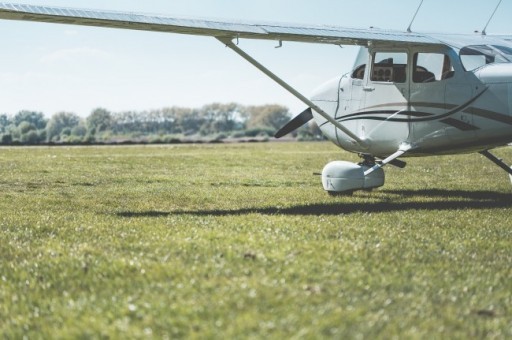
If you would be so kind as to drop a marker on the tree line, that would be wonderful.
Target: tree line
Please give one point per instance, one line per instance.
(213, 122)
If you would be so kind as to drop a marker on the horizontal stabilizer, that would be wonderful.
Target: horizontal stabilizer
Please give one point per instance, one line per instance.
(295, 123)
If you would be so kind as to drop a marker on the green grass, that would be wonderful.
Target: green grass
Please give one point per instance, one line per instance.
(241, 241)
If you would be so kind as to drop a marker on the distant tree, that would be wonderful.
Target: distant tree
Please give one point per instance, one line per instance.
(168, 123)
(189, 120)
(35, 118)
(5, 121)
(220, 118)
(66, 131)
(99, 120)
(6, 139)
(79, 130)
(28, 133)
(42, 135)
(271, 116)
(31, 137)
(215, 120)
(26, 126)
(123, 122)
(61, 122)
(310, 131)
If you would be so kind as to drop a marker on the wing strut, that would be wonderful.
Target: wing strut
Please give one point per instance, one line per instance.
(498, 161)
(286, 86)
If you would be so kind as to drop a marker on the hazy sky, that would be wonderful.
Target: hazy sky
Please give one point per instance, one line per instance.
(53, 68)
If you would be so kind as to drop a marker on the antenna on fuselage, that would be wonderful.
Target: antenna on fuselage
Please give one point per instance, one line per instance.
(492, 16)
(414, 17)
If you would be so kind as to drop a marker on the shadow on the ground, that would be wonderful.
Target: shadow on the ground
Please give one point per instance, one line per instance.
(400, 200)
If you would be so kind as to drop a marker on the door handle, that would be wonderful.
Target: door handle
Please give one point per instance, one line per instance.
(368, 88)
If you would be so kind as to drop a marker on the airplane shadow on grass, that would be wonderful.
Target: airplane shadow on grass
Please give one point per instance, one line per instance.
(399, 200)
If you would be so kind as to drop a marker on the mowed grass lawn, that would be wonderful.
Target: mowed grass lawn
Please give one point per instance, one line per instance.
(240, 240)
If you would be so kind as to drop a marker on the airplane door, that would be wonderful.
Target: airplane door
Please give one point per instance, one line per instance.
(386, 100)
(436, 89)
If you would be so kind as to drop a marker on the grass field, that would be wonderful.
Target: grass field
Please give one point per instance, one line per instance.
(237, 241)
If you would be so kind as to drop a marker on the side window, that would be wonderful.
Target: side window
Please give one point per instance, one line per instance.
(430, 67)
(389, 67)
(476, 56)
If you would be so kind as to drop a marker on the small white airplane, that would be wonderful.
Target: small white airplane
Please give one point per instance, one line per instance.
(409, 94)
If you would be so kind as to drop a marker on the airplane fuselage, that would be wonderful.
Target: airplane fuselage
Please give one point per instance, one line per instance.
(427, 96)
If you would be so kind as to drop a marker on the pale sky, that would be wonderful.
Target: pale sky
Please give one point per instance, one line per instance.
(52, 68)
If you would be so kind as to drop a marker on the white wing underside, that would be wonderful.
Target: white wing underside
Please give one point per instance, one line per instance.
(223, 29)
(215, 28)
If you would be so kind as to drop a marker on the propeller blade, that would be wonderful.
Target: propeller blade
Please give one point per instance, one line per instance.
(295, 123)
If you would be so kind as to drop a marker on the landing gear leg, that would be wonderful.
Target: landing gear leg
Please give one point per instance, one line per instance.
(367, 160)
(498, 161)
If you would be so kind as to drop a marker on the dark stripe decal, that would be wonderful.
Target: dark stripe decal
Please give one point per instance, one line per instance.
(459, 124)
(489, 115)
(426, 116)
(358, 115)
(430, 116)
(422, 104)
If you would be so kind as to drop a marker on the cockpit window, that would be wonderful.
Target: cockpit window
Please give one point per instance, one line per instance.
(430, 67)
(476, 56)
(389, 67)
(360, 64)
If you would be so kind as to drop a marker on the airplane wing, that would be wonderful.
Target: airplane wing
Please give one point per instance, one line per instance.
(504, 37)
(215, 28)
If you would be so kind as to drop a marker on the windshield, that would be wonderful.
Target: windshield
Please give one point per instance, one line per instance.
(360, 63)
(476, 56)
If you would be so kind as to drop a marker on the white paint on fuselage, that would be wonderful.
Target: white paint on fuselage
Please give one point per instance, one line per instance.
(470, 111)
